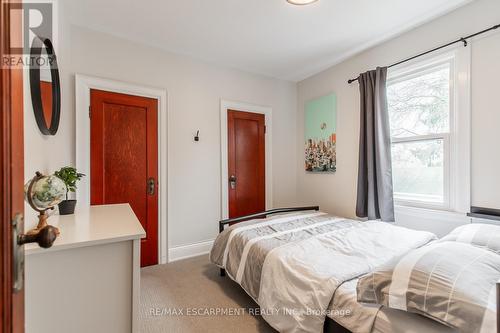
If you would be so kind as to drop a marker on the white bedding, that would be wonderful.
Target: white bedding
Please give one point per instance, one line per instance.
(292, 265)
(300, 278)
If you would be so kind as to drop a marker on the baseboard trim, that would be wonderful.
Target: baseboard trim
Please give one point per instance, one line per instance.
(188, 251)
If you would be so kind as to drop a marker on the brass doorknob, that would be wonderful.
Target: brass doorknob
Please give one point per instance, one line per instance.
(45, 237)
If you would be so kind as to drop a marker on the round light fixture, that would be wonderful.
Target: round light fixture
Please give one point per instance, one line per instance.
(301, 2)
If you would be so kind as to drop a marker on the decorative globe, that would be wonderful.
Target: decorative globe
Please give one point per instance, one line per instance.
(46, 192)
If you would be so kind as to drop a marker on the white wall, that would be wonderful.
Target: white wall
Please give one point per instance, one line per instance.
(336, 193)
(195, 88)
(486, 120)
(194, 93)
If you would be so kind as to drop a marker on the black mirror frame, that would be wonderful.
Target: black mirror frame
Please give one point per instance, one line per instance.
(36, 97)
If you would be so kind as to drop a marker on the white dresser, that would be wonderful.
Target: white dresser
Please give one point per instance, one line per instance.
(89, 280)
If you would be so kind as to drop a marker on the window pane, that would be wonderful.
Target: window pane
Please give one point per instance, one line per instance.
(420, 105)
(418, 170)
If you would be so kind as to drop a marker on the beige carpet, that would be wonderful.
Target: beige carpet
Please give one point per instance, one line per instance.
(190, 296)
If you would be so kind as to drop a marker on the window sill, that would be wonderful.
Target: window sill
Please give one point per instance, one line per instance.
(426, 210)
(428, 205)
(437, 221)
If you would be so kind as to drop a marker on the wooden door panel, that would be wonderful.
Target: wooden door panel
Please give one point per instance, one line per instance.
(123, 151)
(246, 161)
(246, 133)
(124, 155)
(17, 178)
(12, 175)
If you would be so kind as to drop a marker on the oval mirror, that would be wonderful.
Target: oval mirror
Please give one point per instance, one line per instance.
(44, 85)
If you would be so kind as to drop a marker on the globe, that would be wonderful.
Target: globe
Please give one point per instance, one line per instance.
(46, 192)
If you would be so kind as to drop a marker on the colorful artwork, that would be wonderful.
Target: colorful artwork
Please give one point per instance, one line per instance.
(320, 134)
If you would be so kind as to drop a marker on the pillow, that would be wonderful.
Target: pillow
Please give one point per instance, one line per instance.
(451, 282)
(484, 235)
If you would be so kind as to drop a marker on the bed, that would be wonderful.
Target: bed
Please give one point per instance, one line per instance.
(282, 259)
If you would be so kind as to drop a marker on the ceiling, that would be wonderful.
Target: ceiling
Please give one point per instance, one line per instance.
(269, 37)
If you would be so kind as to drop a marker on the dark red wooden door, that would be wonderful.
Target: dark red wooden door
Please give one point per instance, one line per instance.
(12, 175)
(124, 159)
(246, 163)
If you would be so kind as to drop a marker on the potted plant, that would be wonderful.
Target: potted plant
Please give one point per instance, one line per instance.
(69, 176)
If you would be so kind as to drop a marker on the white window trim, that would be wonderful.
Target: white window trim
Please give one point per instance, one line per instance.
(457, 162)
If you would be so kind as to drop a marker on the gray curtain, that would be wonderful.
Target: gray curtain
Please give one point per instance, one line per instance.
(375, 192)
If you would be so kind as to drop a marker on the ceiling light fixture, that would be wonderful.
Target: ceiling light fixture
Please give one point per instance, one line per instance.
(301, 2)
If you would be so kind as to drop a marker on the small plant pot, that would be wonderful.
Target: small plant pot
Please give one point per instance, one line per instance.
(67, 207)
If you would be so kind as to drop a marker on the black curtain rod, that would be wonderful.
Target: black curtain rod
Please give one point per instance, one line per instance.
(461, 40)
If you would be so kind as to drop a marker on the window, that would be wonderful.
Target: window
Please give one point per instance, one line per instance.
(421, 102)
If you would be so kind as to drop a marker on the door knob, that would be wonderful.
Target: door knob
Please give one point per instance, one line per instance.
(232, 182)
(151, 186)
(45, 237)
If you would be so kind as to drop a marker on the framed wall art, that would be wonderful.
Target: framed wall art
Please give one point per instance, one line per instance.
(321, 134)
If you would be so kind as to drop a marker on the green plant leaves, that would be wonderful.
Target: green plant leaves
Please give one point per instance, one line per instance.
(69, 176)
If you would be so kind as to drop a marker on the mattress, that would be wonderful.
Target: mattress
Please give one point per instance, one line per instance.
(357, 317)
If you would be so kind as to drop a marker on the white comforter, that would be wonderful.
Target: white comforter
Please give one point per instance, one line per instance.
(298, 277)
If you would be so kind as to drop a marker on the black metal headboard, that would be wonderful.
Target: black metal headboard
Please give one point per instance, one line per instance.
(264, 215)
